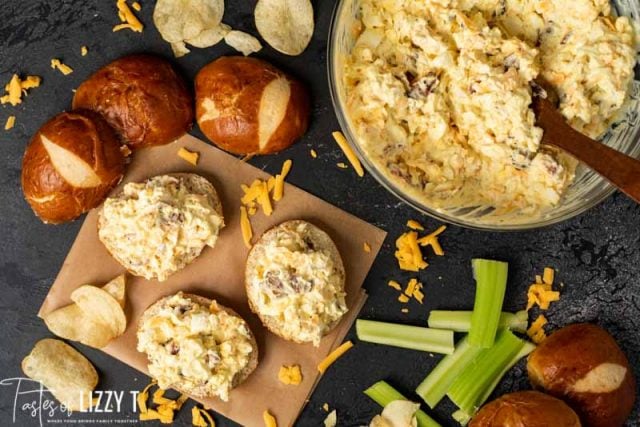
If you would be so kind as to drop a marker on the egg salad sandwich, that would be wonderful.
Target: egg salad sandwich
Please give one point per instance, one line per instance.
(196, 346)
(295, 282)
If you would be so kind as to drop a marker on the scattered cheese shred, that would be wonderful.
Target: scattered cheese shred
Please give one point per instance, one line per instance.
(269, 420)
(159, 399)
(11, 121)
(16, 88)
(395, 285)
(410, 287)
(290, 375)
(313, 153)
(189, 156)
(366, 247)
(403, 298)
(278, 189)
(165, 409)
(536, 331)
(333, 356)
(245, 226)
(325, 407)
(342, 165)
(84, 50)
(143, 396)
(408, 252)
(405, 310)
(198, 420)
(346, 149)
(432, 240)
(415, 225)
(541, 293)
(264, 200)
(63, 68)
(252, 210)
(128, 18)
(136, 6)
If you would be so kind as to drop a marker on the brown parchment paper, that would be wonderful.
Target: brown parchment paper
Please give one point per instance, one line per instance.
(219, 273)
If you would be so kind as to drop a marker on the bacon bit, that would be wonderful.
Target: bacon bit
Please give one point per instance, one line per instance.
(395, 285)
(366, 247)
(536, 331)
(11, 121)
(313, 153)
(64, 69)
(333, 356)
(415, 225)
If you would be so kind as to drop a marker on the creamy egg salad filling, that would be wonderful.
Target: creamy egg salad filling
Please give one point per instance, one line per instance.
(298, 286)
(439, 93)
(157, 227)
(195, 346)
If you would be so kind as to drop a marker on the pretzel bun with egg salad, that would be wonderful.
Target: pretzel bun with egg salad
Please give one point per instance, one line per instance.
(70, 165)
(248, 106)
(142, 97)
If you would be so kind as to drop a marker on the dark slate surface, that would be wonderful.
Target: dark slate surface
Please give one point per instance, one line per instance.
(597, 255)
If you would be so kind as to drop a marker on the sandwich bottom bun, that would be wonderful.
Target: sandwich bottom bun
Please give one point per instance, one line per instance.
(196, 346)
(295, 282)
(526, 409)
(583, 365)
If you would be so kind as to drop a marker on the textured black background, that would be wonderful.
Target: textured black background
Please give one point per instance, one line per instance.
(597, 255)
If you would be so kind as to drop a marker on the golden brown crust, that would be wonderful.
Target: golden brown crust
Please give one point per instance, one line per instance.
(321, 240)
(526, 409)
(236, 85)
(201, 392)
(567, 356)
(142, 97)
(88, 136)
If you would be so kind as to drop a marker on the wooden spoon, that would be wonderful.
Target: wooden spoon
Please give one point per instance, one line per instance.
(619, 169)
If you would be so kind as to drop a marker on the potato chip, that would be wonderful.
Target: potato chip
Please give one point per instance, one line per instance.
(100, 306)
(116, 288)
(242, 42)
(71, 323)
(287, 25)
(67, 374)
(197, 22)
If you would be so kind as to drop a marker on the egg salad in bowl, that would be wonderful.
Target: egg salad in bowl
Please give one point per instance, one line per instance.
(295, 282)
(436, 96)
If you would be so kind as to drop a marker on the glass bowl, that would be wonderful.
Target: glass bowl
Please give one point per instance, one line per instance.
(588, 188)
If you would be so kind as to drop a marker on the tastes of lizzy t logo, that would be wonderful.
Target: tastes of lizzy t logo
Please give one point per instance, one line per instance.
(34, 400)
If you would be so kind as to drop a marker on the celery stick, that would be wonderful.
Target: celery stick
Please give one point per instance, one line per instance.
(468, 390)
(437, 383)
(491, 283)
(460, 321)
(383, 394)
(413, 337)
(461, 417)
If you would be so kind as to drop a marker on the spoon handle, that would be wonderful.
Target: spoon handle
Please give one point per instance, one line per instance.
(621, 170)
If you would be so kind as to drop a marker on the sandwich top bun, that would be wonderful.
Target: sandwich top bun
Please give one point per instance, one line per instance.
(70, 165)
(295, 282)
(142, 97)
(157, 227)
(526, 409)
(248, 106)
(196, 345)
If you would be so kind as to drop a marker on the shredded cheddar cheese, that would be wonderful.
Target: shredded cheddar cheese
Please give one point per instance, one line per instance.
(348, 152)
(290, 375)
(313, 153)
(325, 407)
(278, 189)
(201, 418)
(536, 331)
(415, 225)
(84, 50)
(541, 293)
(16, 88)
(245, 226)
(126, 15)
(408, 252)
(11, 121)
(342, 165)
(410, 287)
(165, 409)
(403, 298)
(142, 397)
(432, 240)
(189, 156)
(136, 6)
(405, 310)
(395, 285)
(333, 356)
(269, 420)
(63, 68)
(366, 247)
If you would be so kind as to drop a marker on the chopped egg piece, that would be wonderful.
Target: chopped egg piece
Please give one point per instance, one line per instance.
(290, 375)
(129, 20)
(269, 420)
(63, 68)
(84, 51)
(11, 121)
(348, 152)
(333, 356)
(189, 156)
(414, 225)
(536, 331)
